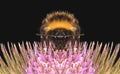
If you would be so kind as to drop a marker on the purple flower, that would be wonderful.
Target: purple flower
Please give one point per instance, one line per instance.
(60, 62)
(83, 59)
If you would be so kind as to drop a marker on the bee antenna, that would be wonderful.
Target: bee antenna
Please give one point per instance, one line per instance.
(37, 34)
(82, 34)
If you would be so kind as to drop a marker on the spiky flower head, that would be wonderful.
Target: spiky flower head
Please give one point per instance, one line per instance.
(60, 62)
(36, 59)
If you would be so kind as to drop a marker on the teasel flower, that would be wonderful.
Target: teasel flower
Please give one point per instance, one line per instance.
(80, 58)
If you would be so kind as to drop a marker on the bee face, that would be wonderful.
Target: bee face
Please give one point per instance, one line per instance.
(60, 37)
(60, 28)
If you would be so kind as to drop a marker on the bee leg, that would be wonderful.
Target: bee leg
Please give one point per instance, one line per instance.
(42, 40)
(73, 42)
(78, 41)
(44, 43)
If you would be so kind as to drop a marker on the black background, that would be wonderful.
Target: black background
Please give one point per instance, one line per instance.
(20, 20)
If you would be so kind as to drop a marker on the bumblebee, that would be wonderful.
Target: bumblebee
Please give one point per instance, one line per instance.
(60, 28)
